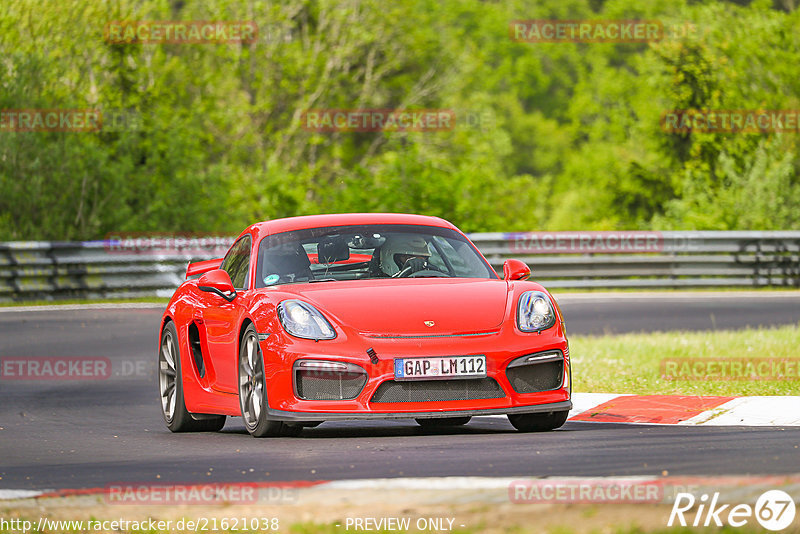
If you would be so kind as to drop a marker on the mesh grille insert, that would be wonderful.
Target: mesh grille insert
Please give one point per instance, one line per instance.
(328, 385)
(536, 377)
(438, 390)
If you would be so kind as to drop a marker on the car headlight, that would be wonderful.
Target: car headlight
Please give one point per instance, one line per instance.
(301, 319)
(535, 312)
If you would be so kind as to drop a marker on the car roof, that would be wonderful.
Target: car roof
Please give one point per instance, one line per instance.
(288, 224)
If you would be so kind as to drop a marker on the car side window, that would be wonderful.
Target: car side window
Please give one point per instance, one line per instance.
(237, 263)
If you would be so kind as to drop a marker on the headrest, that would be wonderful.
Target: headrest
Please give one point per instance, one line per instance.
(332, 249)
(281, 261)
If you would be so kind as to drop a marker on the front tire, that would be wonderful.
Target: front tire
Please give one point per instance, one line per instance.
(253, 389)
(538, 422)
(170, 385)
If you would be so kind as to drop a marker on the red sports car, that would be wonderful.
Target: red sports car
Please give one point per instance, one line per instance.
(360, 316)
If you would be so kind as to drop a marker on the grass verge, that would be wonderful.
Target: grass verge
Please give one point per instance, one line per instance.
(632, 363)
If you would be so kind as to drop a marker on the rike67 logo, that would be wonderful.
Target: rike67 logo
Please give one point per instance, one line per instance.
(774, 510)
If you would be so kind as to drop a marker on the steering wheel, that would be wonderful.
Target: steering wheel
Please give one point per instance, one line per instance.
(406, 273)
(427, 270)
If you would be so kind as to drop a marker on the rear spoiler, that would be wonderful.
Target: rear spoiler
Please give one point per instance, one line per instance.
(201, 267)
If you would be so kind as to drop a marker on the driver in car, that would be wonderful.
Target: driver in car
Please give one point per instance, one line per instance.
(404, 254)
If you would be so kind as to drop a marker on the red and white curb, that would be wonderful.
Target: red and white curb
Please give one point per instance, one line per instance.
(686, 409)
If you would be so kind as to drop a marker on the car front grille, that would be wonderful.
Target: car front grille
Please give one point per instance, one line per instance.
(536, 377)
(438, 390)
(328, 385)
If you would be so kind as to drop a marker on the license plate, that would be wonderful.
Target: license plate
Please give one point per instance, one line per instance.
(445, 367)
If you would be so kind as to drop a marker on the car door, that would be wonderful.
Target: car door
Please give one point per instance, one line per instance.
(221, 318)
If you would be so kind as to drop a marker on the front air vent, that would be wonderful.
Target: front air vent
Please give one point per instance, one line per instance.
(536, 372)
(328, 381)
(438, 390)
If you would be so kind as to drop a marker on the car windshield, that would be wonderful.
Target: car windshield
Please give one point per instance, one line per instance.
(361, 252)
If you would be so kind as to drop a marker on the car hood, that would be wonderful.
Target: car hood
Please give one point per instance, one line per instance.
(402, 307)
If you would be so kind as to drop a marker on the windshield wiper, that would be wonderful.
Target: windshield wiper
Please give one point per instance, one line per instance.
(321, 280)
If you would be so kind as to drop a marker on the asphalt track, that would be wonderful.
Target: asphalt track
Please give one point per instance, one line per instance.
(67, 434)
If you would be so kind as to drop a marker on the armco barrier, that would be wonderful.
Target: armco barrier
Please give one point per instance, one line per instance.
(91, 270)
(96, 269)
(638, 259)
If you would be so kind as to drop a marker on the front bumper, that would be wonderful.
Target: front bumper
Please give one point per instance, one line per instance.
(501, 348)
(280, 415)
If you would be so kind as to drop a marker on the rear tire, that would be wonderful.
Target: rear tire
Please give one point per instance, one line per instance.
(538, 422)
(170, 382)
(440, 422)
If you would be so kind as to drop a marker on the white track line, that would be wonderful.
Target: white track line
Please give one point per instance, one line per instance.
(751, 411)
(12, 494)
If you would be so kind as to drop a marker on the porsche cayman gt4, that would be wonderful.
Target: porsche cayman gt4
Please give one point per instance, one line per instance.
(360, 316)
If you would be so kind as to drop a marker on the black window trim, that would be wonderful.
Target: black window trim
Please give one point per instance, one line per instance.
(247, 278)
(460, 237)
